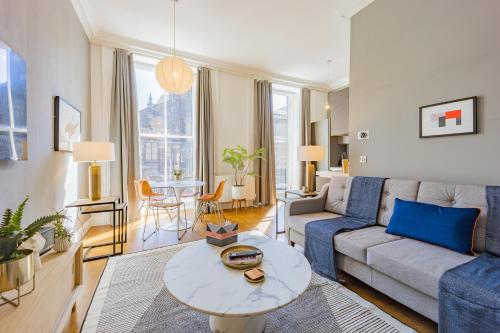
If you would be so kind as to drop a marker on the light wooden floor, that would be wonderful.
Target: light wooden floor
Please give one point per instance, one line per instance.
(250, 219)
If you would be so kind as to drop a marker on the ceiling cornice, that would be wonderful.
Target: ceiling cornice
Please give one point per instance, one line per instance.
(82, 13)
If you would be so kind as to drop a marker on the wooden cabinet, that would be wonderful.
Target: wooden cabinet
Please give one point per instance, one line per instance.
(339, 106)
(49, 306)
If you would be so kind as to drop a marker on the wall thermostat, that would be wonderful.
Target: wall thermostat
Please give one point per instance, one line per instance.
(363, 135)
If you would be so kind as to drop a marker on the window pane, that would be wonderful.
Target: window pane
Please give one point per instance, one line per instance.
(152, 168)
(180, 114)
(180, 156)
(281, 109)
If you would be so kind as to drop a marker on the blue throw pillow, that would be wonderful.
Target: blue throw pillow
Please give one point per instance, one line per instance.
(448, 227)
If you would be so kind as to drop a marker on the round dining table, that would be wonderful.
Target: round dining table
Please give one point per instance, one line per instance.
(179, 187)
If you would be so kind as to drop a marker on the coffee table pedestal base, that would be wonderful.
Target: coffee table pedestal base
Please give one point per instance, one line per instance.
(252, 324)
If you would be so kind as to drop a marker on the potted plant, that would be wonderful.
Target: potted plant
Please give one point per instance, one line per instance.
(62, 235)
(17, 265)
(177, 174)
(240, 160)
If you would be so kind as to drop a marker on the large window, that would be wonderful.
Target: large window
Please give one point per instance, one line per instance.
(166, 128)
(285, 118)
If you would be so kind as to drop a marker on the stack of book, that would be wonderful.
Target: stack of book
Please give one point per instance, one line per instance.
(244, 257)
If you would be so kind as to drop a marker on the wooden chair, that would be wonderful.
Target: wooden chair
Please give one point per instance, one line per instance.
(211, 201)
(152, 200)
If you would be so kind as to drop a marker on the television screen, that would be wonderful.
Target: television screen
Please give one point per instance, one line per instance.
(13, 108)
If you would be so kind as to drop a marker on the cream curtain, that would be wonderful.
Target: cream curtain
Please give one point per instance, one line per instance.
(205, 132)
(124, 130)
(305, 137)
(265, 182)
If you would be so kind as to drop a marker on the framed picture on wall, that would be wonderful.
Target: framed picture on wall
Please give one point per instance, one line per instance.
(456, 117)
(67, 128)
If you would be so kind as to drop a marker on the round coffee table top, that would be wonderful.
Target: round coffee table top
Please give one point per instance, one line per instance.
(197, 277)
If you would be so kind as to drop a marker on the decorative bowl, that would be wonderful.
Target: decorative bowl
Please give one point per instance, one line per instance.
(237, 248)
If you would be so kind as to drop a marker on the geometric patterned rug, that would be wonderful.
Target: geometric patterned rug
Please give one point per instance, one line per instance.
(131, 297)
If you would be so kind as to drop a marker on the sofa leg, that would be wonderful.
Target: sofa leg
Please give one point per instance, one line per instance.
(292, 244)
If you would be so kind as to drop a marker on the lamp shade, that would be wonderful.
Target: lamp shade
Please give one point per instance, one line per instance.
(92, 151)
(174, 75)
(310, 153)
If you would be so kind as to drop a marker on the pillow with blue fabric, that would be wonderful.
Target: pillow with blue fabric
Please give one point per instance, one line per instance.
(449, 227)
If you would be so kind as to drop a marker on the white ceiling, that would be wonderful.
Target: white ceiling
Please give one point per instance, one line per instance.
(289, 38)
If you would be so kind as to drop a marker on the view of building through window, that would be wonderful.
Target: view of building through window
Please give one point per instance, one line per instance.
(166, 128)
(282, 108)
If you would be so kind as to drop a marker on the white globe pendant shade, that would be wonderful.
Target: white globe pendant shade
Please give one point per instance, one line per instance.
(174, 75)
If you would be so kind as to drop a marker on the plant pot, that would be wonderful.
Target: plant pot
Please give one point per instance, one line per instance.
(177, 177)
(238, 192)
(61, 245)
(21, 270)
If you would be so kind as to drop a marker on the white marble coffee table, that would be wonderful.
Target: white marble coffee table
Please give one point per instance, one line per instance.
(197, 277)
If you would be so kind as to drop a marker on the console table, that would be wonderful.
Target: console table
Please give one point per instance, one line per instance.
(49, 306)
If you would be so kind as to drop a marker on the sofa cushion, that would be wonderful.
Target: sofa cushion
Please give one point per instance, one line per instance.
(449, 227)
(467, 196)
(338, 194)
(414, 263)
(395, 188)
(298, 222)
(354, 243)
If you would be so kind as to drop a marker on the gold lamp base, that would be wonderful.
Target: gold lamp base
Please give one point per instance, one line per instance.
(310, 174)
(95, 181)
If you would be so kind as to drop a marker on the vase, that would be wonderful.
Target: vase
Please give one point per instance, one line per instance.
(17, 271)
(238, 192)
(61, 244)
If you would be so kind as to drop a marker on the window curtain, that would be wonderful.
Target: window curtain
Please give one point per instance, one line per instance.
(205, 132)
(123, 130)
(305, 137)
(265, 182)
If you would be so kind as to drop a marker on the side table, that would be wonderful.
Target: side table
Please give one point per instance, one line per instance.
(285, 199)
(105, 205)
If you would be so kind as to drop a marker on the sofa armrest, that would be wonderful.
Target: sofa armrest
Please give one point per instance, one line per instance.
(305, 206)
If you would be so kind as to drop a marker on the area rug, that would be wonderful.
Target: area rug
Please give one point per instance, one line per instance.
(131, 297)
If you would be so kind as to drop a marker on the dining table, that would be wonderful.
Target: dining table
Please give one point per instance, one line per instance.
(178, 187)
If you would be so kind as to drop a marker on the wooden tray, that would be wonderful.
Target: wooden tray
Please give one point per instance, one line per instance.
(237, 248)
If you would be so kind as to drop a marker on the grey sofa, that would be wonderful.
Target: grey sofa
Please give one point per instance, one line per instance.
(406, 270)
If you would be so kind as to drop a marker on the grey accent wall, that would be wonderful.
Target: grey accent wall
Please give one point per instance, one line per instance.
(49, 36)
(410, 53)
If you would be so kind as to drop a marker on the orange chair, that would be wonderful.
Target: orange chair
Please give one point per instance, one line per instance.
(153, 200)
(208, 201)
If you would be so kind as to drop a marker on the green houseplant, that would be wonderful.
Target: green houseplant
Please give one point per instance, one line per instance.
(17, 265)
(240, 160)
(62, 235)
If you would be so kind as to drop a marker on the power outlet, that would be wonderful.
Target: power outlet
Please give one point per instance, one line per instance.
(364, 135)
(363, 159)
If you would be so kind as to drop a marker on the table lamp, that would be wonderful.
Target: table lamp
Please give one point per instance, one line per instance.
(91, 151)
(310, 154)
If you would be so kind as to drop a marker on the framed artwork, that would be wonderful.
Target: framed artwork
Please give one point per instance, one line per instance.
(13, 106)
(456, 117)
(67, 128)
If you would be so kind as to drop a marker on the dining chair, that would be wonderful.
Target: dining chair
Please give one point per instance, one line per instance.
(208, 201)
(153, 200)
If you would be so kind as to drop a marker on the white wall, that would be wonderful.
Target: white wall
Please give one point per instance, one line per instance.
(49, 36)
(318, 105)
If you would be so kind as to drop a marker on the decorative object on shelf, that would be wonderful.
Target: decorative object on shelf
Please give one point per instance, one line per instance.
(240, 160)
(62, 236)
(35, 243)
(252, 255)
(13, 106)
(17, 266)
(48, 233)
(67, 128)
(449, 118)
(255, 275)
(93, 151)
(177, 174)
(310, 154)
(173, 73)
(345, 163)
(222, 235)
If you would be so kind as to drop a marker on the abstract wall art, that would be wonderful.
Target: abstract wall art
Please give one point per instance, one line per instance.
(449, 118)
(66, 125)
(13, 106)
